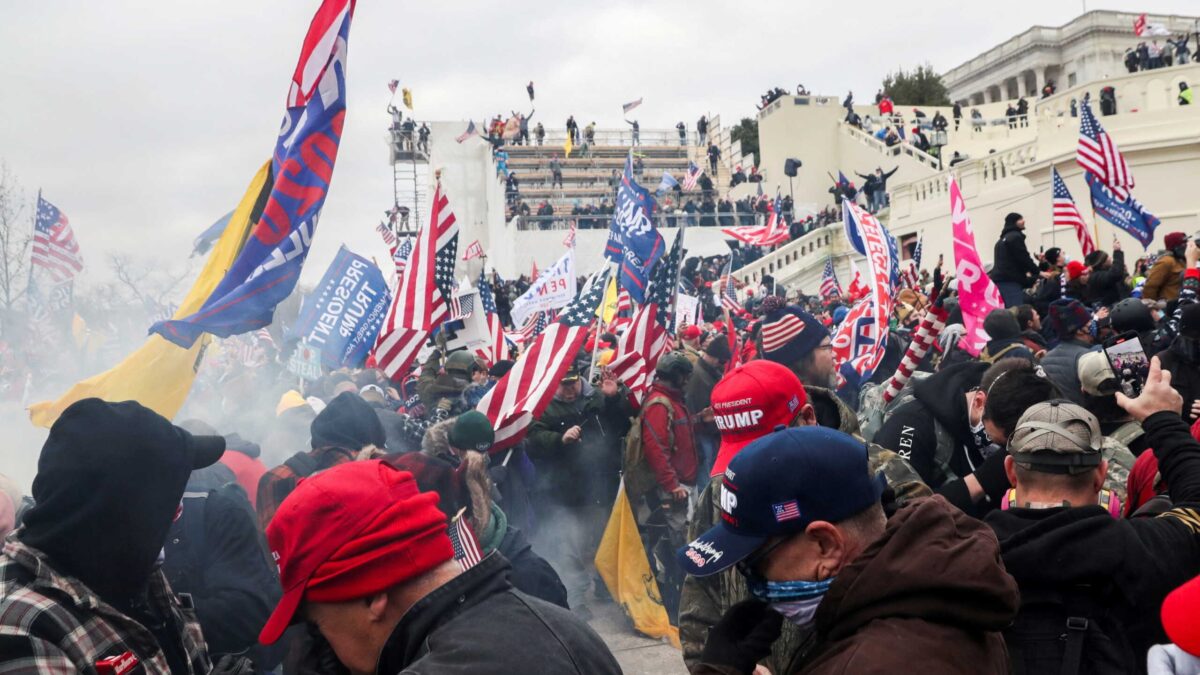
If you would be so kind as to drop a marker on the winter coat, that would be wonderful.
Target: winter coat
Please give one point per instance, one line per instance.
(931, 592)
(242, 457)
(1185, 377)
(1164, 281)
(674, 463)
(936, 416)
(587, 471)
(215, 553)
(1061, 366)
(1011, 260)
(1141, 559)
(478, 623)
(1107, 286)
(1000, 349)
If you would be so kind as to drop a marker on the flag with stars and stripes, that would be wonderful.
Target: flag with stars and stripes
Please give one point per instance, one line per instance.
(474, 250)
(497, 349)
(533, 327)
(471, 131)
(649, 332)
(1097, 154)
(522, 395)
(1066, 213)
(389, 237)
(729, 299)
(692, 175)
(421, 300)
(401, 254)
(464, 542)
(54, 247)
(830, 288)
(773, 233)
(462, 306)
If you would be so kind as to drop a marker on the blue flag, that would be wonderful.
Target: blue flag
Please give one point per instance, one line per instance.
(854, 238)
(210, 236)
(343, 315)
(1127, 214)
(668, 182)
(269, 265)
(633, 240)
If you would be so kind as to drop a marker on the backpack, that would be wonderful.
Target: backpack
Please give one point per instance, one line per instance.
(638, 476)
(1070, 632)
(987, 357)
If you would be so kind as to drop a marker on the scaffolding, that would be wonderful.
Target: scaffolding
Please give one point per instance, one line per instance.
(410, 176)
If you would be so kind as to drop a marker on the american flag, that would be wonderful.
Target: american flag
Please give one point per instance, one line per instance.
(1067, 214)
(1098, 154)
(692, 175)
(522, 395)
(498, 349)
(54, 247)
(569, 240)
(534, 325)
(774, 232)
(401, 254)
(389, 237)
(462, 306)
(420, 303)
(392, 85)
(621, 317)
(789, 510)
(471, 131)
(475, 250)
(649, 332)
(462, 539)
(729, 299)
(830, 288)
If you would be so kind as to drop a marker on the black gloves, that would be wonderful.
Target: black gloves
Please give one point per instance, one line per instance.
(233, 665)
(743, 637)
(992, 477)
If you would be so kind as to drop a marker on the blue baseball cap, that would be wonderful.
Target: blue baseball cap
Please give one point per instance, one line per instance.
(779, 484)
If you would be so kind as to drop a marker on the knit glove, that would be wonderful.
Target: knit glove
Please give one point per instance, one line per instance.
(742, 637)
(992, 477)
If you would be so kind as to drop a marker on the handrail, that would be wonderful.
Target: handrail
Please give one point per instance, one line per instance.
(599, 221)
(900, 148)
(611, 137)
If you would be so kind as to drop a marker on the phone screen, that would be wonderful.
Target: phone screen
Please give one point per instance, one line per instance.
(1129, 363)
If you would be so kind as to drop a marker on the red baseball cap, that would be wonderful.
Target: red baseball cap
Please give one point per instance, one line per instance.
(690, 332)
(350, 532)
(750, 402)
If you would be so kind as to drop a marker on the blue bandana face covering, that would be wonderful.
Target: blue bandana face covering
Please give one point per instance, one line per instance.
(785, 591)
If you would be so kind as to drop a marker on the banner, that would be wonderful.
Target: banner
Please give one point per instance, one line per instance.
(633, 240)
(342, 316)
(861, 339)
(159, 374)
(1127, 214)
(554, 288)
(269, 264)
(977, 295)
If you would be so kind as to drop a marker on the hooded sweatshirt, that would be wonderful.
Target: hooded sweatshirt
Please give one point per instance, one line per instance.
(931, 591)
(940, 400)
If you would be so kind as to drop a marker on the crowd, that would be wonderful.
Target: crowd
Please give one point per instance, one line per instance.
(1032, 508)
(1152, 55)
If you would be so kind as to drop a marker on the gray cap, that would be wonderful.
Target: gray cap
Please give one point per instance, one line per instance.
(1096, 377)
(1057, 437)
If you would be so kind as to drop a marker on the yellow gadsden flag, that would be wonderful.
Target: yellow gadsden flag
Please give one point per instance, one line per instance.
(621, 562)
(159, 374)
(608, 306)
(568, 146)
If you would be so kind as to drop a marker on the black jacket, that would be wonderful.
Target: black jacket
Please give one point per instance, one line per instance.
(530, 571)
(587, 471)
(1185, 377)
(1141, 560)
(215, 553)
(1011, 261)
(911, 431)
(1107, 287)
(478, 623)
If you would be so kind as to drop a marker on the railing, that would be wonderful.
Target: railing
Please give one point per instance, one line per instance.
(902, 148)
(600, 221)
(610, 137)
(1136, 92)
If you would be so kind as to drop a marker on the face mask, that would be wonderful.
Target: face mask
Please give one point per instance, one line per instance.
(785, 591)
(979, 436)
(799, 612)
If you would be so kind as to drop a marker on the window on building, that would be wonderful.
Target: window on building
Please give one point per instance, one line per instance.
(1070, 79)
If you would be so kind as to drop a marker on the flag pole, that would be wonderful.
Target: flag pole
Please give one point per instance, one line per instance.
(596, 340)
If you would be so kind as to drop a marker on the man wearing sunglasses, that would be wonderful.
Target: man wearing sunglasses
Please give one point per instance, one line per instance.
(801, 519)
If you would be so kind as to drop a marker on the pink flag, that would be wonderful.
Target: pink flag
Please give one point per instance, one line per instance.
(977, 295)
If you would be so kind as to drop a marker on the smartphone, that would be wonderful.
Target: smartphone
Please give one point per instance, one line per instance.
(1128, 362)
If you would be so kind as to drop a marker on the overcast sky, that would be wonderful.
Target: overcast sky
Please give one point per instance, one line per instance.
(144, 120)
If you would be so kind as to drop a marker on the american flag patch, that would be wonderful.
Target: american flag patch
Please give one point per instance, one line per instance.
(788, 510)
(778, 333)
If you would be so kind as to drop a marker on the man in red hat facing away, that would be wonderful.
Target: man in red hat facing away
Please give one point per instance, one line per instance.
(364, 557)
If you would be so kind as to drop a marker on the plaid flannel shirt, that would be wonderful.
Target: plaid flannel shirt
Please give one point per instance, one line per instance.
(53, 623)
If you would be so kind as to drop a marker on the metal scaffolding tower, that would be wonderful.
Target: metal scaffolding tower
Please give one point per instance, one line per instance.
(410, 177)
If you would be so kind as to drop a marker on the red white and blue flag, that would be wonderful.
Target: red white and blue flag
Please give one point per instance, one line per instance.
(421, 301)
(497, 349)
(1066, 213)
(1097, 154)
(830, 288)
(650, 330)
(861, 339)
(54, 247)
(474, 250)
(729, 298)
(773, 233)
(692, 175)
(522, 395)
(269, 265)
